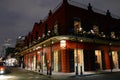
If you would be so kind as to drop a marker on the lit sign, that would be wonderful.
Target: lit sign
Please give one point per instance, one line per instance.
(63, 43)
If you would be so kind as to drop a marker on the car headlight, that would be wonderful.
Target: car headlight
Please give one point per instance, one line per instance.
(2, 70)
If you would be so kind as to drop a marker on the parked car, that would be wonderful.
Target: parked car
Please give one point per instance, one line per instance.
(3, 68)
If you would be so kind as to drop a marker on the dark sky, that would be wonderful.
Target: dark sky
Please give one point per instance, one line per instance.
(17, 17)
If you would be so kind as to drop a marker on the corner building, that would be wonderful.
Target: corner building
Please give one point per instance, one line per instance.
(73, 39)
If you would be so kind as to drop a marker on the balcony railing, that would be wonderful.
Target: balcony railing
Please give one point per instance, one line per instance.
(87, 36)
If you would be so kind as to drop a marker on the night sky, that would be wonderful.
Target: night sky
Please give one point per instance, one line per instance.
(17, 17)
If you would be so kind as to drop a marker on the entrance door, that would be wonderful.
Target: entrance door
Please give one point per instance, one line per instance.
(71, 60)
(56, 61)
(115, 59)
(29, 64)
(89, 60)
(79, 59)
(43, 62)
(34, 62)
(119, 60)
(98, 62)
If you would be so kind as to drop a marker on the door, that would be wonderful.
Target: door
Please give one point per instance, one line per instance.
(71, 59)
(98, 62)
(89, 60)
(115, 59)
(56, 61)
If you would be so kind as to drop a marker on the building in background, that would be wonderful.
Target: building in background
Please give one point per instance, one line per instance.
(73, 39)
(10, 59)
(18, 48)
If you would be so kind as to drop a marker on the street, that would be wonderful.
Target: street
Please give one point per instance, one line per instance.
(21, 74)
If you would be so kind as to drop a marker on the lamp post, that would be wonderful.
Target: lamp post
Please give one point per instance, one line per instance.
(110, 56)
(42, 58)
(51, 42)
(81, 72)
(47, 66)
(76, 54)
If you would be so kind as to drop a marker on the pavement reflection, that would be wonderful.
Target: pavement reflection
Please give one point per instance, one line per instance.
(7, 77)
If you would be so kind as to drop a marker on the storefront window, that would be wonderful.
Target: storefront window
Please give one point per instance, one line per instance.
(79, 59)
(98, 59)
(56, 61)
(115, 59)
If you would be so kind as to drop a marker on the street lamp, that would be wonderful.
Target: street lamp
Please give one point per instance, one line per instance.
(77, 54)
(42, 57)
(81, 72)
(110, 56)
(47, 66)
(51, 42)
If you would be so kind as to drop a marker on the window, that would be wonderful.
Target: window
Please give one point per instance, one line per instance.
(77, 26)
(56, 28)
(112, 34)
(96, 29)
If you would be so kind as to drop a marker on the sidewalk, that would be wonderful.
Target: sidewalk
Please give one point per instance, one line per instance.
(59, 75)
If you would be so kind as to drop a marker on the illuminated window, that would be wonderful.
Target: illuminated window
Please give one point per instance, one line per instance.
(98, 61)
(112, 34)
(115, 59)
(96, 29)
(56, 29)
(79, 59)
(77, 26)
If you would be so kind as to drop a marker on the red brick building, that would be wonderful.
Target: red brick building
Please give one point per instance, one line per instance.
(73, 38)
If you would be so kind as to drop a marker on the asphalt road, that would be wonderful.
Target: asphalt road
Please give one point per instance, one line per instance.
(21, 74)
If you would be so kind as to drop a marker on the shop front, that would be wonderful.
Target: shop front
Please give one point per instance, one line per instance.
(70, 56)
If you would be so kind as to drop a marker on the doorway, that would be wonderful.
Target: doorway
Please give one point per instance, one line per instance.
(115, 59)
(98, 59)
(79, 60)
(55, 61)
